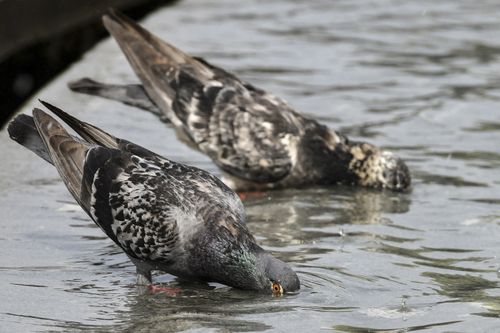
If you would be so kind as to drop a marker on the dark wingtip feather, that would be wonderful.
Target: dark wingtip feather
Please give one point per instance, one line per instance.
(117, 17)
(123, 28)
(67, 118)
(112, 20)
(86, 131)
(49, 106)
(74, 123)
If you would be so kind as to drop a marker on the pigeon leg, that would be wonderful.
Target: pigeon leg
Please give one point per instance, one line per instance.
(251, 195)
(143, 270)
(143, 278)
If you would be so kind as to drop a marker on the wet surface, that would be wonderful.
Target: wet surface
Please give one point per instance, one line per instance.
(421, 79)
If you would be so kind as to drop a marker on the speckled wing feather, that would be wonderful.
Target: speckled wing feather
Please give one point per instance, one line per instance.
(148, 205)
(229, 120)
(156, 204)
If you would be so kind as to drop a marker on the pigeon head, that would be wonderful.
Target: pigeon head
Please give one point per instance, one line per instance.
(245, 265)
(264, 273)
(279, 278)
(377, 168)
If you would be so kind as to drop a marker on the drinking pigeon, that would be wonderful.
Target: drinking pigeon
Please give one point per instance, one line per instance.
(256, 138)
(164, 215)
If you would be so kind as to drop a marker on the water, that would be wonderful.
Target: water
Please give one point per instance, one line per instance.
(419, 78)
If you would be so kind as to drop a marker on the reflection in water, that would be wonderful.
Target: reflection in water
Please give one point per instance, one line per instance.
(324, 206)
(429, 178)
(421, 260)
(485, 126)
(469, 289)
(209, 308)
(354, 329)
(419, 78)
(195, 306)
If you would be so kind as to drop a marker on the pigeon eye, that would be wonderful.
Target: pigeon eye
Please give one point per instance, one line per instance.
(277, 288)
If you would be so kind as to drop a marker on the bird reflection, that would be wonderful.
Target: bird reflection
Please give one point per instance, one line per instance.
(195, 307)
(296, 216)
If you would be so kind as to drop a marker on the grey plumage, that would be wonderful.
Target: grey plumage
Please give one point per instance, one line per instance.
(164, 215)
(132, 94)
(256, 138)
(23, 130)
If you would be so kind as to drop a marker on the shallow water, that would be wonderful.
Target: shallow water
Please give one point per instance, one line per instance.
(419, 78)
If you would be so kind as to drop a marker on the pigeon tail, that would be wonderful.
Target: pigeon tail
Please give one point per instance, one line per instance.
(22, 129)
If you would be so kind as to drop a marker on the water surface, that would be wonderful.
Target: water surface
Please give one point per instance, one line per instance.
(419, 78)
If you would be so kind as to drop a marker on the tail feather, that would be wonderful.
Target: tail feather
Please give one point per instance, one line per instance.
(124, 29)
(130, 94)
(87, 131)
(76, 160)
(67, 154)
(22, 129)
(155, 62)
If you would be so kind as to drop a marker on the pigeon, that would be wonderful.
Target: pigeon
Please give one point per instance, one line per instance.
(254, 137)
(164, 215)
